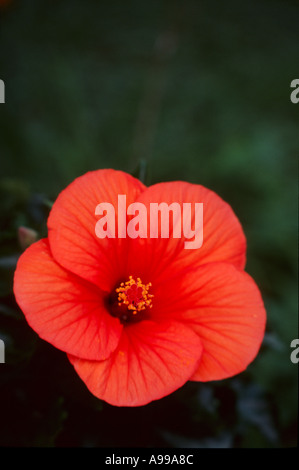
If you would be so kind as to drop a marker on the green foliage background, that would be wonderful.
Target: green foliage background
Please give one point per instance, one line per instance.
(167, 90)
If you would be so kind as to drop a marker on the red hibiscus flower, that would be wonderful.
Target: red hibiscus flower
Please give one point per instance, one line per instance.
(138, 317)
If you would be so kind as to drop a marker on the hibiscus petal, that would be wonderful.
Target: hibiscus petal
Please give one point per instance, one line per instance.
(224, 307)
(152, 360)
(223, 237)
(72, 222)
(63, 309)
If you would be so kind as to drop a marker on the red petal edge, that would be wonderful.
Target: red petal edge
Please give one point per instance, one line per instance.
(151, 361)
(63, 309)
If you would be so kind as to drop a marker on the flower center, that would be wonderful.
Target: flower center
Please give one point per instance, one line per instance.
(135, 295)
(130, 301)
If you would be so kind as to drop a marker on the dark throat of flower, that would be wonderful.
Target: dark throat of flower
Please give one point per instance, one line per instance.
(131, 300)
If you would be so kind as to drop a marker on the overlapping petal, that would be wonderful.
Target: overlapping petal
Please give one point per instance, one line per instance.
(72, 222)
(223, 237)
(62, 308)
(151, 361)
(224, 307)
(207, 319)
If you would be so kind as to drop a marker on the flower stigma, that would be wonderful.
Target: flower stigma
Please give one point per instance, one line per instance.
(130, 301)
(135, 295)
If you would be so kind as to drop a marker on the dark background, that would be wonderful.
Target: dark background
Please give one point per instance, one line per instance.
(166, 90)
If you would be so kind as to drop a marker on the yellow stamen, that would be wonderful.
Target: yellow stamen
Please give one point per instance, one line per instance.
(135, 295)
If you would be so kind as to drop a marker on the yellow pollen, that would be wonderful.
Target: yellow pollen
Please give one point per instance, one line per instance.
(135, 295)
